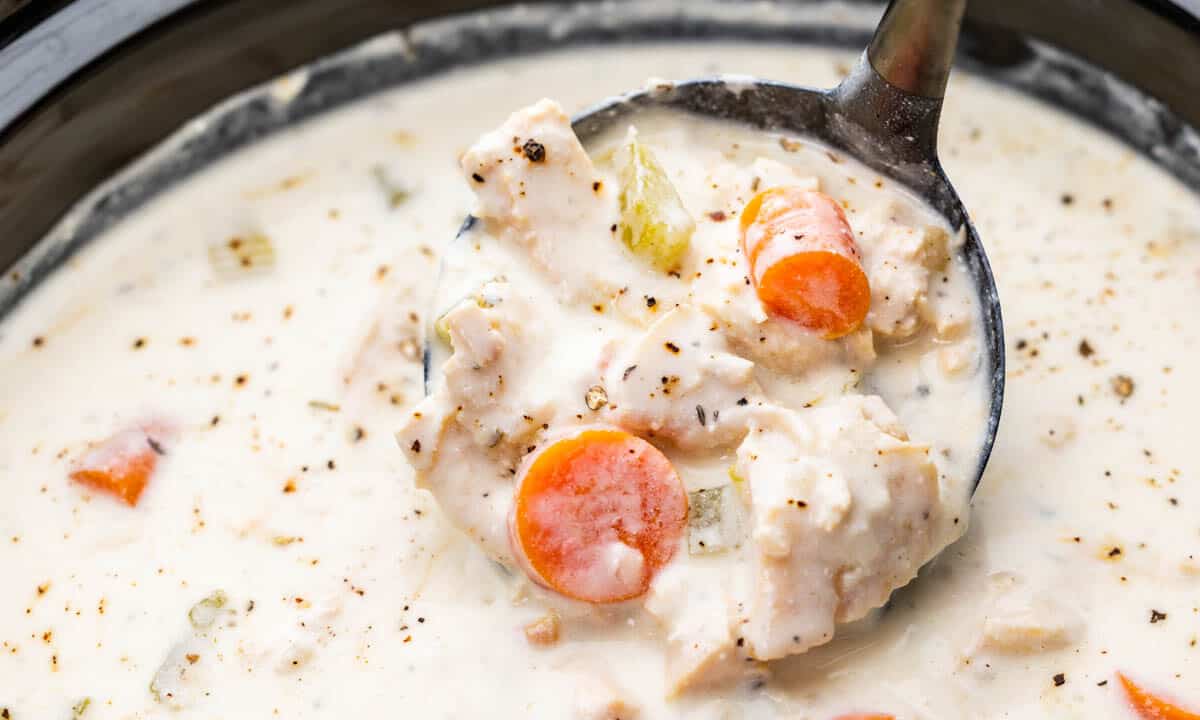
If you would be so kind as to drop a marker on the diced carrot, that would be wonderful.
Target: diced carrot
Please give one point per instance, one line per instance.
(803, 259)
(1152, 707)
(122, 464)
(598, 514)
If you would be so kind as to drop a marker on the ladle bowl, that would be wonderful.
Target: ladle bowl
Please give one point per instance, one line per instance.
(884, 114)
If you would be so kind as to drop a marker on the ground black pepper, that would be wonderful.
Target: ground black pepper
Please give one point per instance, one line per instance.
(534, 151)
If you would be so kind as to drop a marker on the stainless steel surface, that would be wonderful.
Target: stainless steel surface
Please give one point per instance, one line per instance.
(913, 48)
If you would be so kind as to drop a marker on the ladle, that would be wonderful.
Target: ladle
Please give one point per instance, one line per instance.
(885, 114)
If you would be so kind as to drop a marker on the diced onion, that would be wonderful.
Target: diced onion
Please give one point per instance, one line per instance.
(204, 613)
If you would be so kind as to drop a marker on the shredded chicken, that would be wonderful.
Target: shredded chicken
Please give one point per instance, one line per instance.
(842, 510)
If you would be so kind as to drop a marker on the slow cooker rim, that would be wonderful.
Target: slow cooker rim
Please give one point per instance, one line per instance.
(1164, 130)
(52, 15)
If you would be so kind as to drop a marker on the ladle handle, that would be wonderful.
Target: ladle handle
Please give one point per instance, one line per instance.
(888, 108)
(913, 47)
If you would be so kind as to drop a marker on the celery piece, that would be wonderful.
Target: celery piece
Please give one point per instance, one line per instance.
(242, 255)
(714, 520)
(654, 223)
(81, 707)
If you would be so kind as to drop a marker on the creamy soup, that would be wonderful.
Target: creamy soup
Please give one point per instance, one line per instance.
(646, 406)
(259, 330)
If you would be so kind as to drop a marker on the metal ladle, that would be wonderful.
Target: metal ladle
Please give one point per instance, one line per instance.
(885, 114)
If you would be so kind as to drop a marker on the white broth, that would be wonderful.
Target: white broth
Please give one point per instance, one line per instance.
(736, 299)
(343, 590)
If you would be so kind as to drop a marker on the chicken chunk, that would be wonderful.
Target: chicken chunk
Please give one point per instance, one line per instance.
(678, 381)
(471, 487)
(695, 600)
(536, 187)
(899, 266)
(532, 175)
(843, 512)
(462, 438)
(493, 337)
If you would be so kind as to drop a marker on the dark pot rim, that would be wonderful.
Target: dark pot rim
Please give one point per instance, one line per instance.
(420, 50)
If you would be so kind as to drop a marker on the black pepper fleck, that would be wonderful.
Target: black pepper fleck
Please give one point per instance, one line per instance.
(534, 151)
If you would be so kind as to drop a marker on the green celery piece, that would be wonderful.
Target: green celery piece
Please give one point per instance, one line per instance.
(654, 223)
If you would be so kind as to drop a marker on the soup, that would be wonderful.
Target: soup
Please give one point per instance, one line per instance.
(263, 322)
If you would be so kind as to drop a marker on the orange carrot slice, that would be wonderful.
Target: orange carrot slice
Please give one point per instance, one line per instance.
(122, 465)
(598, 514)
(803, 259)
(1152, 707)
(865, 716)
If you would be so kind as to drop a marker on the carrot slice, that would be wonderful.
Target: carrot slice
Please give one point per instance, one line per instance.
(865, 716)
(803, 259)
(1152, 707)
(597, 514)
(121, 465)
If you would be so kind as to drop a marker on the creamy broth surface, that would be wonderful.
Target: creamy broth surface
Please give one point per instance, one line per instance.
(343, 590)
